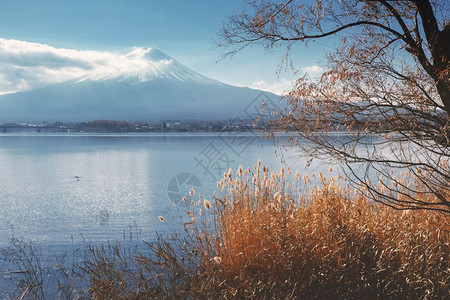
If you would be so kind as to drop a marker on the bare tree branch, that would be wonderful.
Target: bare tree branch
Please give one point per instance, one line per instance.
(386, 90)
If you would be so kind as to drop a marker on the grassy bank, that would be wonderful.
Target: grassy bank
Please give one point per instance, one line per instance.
(273, 235)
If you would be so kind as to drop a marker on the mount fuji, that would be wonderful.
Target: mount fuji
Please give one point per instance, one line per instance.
(144, 85)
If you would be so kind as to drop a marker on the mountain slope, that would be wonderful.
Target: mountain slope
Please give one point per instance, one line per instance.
(150, 86)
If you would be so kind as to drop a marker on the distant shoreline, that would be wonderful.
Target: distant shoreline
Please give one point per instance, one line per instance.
(111, 126)
(165, 126)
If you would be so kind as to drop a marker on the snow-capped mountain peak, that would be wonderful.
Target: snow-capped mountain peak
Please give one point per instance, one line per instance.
(151, 54)
(145, 64)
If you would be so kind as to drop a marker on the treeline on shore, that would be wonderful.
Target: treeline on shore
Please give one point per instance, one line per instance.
(128, 126)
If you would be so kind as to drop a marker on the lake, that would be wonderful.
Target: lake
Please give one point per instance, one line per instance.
(61, 190)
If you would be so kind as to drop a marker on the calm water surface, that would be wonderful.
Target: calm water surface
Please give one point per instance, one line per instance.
(61, 190)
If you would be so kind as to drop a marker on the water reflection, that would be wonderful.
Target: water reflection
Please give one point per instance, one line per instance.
(95, 187)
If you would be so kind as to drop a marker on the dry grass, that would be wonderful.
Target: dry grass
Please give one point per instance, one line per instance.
(277, 236)
(325, 242)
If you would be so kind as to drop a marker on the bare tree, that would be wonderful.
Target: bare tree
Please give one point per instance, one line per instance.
(386, 90)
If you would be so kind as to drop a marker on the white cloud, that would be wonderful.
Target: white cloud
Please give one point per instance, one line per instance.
(283, 85)
(277, 87)
(25, 65)
(313, 71)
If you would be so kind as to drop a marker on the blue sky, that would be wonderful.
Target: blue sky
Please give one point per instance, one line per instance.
(184, 30)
